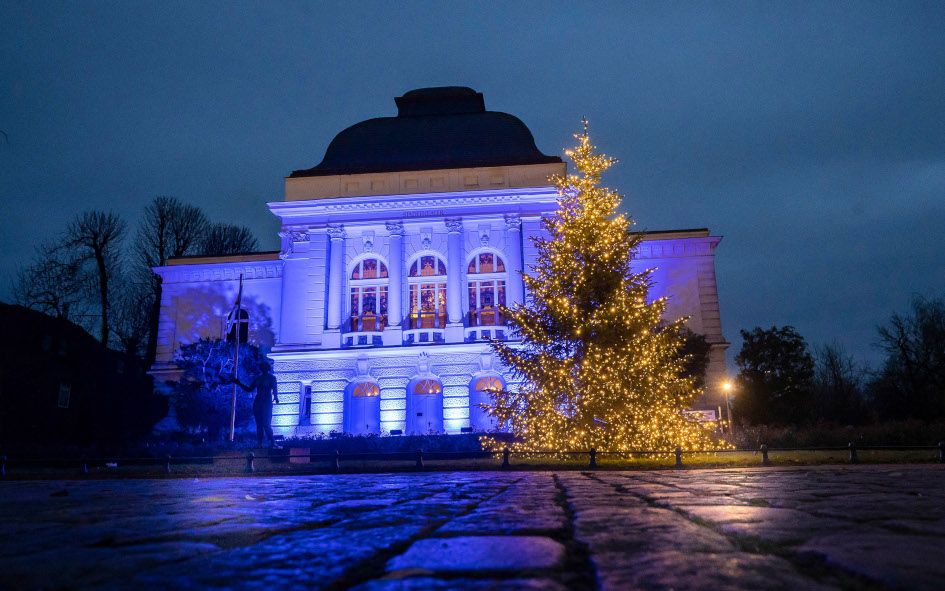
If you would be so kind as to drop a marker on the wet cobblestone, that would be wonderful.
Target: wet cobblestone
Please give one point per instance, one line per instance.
(841, 527)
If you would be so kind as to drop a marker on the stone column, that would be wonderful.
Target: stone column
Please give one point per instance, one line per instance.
(513, 241)
(393, 334)
(454, 309)
(336, 263)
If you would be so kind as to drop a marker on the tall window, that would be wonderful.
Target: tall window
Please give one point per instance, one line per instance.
(427, 281)
(486, 281)
(369, 296)
(305, 406)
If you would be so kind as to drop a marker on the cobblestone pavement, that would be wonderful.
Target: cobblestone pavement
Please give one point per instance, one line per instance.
(813, 528)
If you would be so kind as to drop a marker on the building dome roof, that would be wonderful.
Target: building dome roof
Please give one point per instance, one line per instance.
(435, 128)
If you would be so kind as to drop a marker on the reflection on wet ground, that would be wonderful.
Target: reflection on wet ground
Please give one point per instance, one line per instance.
(810, 528)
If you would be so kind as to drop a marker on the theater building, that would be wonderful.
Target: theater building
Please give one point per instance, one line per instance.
(397, 251)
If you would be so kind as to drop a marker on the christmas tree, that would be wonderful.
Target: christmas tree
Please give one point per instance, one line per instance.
(600, 368)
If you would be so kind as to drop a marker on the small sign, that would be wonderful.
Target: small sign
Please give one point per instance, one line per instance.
(701, 416)
(65, 393)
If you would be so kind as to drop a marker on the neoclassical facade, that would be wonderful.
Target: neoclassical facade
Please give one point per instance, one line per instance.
(398, 251)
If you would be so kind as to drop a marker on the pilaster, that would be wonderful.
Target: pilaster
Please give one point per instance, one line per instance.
(454, 267)
(393, 333)
(513, 229)
(332, 338)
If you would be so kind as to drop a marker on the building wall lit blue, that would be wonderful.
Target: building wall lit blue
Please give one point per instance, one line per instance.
(417, 361)
(397, 253)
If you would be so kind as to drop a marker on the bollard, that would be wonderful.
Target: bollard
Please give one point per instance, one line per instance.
(941, 452)
(853, 457)
(167, 464)
(764, 455)
(593, 463)
(419, 459)
(3, 467)
(337, 461)
(679, 457)
(250, 462)
(505, 458)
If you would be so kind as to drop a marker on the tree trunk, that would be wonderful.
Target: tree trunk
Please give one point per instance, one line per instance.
(103, 295)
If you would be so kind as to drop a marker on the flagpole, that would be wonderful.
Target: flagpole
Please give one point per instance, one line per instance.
(236, 356)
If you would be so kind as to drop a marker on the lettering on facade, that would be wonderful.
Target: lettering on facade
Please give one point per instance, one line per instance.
(429, 213)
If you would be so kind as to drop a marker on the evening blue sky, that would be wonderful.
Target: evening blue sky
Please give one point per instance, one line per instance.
(810, 135)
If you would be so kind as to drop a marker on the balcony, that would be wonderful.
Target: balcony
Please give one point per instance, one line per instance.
(426, 327)
(485, 324)
(365, 331)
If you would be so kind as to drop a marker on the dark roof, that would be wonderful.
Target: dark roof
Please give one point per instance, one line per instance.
(435, 128)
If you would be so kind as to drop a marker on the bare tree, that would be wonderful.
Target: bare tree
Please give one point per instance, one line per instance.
(168, 229)
(130, 319)
(53, 284)
(912, 379)
(838, 386)
(95, 237)
(227, 239)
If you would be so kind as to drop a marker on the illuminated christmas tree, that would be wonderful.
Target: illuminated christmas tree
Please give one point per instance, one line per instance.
(600, 368)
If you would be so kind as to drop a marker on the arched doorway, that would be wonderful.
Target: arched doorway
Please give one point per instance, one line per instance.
(424, 406)
(362, 408)
(481, 390)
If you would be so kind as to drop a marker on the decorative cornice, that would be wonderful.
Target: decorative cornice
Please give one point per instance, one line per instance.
(221, 272)
(416, 206)
(677, 247)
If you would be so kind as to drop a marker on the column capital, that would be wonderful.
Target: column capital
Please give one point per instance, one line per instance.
(395, 228)
(336, 232)
(513, 222)
(290, 235)
(454, 225)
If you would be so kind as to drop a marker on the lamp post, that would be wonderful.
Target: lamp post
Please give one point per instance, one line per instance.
(728, 387)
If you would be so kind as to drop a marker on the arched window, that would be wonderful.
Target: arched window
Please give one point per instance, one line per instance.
(489, 384)
(427, 281)
(365, 389)
(428, 387)
(486, 282)
(368, 285)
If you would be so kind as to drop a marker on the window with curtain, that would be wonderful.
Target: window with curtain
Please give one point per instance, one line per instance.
(486, 278)
(368, 289)
(427, 292)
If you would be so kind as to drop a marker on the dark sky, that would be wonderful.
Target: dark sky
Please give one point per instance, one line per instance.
(810, 135)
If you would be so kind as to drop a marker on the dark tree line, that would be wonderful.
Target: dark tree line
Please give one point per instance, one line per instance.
(911, 383)
(782, 382)
(91, 274)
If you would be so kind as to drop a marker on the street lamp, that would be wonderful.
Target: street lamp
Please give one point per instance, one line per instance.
(728, 387)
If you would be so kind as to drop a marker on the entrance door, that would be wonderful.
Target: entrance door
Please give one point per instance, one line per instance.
(425, 411)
